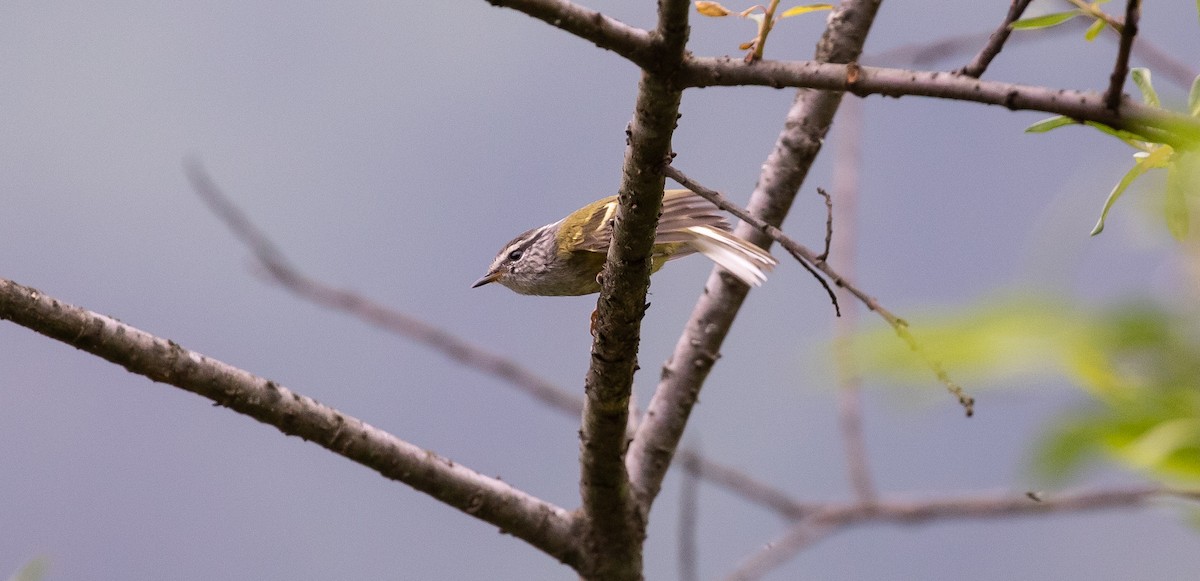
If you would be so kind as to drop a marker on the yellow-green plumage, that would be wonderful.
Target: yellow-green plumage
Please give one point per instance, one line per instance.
(564, 258)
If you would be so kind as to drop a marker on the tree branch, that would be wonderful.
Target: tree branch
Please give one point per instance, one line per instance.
(808, 257)
(1116, 81)
(835, 518)
(280, 270)
(630, 42)
(696, 351)
(541, 524)
(1163, 125)
(996, 41)
(617, 521)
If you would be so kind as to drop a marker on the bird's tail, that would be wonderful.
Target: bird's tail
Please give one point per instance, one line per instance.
(742, 259)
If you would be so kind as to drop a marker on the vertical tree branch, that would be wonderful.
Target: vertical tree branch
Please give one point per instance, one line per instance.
(847, 165)
(996, 41)
(616, 521)
(1116, 82)
(799, 142)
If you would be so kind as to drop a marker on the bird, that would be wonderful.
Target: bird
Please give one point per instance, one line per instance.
(565, 258)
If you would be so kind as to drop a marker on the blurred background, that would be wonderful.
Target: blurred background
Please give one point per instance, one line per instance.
(391, 148)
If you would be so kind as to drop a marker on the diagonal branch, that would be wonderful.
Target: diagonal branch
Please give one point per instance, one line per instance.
(630, 42)
(539, 523)
(996, 41)
(280, 270)
(1116, 81)
(807, 122)
(836, 518)
(616, 520)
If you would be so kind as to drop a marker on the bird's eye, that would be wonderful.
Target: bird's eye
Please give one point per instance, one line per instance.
(514, 255)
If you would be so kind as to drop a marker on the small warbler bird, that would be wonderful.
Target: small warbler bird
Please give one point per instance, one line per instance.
(564, 258)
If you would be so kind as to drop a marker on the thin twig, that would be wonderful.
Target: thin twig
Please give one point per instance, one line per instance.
(747, 487)
(280, 270)
(996, 41)
(803, 255)
(824, 255)
(1116, 82)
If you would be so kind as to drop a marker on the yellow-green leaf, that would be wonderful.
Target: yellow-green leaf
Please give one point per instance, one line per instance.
(713, 9)
(1155, 158)
(1094, 30)
(1134, 140)
(798, 10)
(1050, 123)
(1045, 20)
(1141, 78)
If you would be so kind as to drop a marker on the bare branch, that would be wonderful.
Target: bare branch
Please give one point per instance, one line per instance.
(836, 518)
(539, 523)
(651, 451)
(280, 270)
(1116, 82)
(996, 41)
(803, 255)
(1163, 126)
(746, 487)
(607, 33)
(615, 513)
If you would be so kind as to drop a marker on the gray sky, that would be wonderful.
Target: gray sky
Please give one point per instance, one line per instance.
(392, 147)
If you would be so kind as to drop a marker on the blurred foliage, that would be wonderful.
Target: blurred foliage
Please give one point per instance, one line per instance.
(34, 570)
(1138, 362)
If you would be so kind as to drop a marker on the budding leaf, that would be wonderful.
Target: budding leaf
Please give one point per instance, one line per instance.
(1141, 78)
(713, 9)
(798, 10)
(1044, 21)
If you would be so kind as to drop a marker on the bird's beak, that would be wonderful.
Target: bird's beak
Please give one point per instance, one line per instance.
(488, 278)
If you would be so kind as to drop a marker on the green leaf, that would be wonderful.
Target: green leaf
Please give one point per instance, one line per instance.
(1151, 161)
(1044, 21)
(1141, 78)
(1094, 30)
(1194, 96)
(798, 10)
(1134, 140)
(1050, 123)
